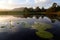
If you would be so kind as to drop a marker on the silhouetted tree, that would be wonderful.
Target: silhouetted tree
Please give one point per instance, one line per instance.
(26, 12)
(25, 9)
(43, 9)
(58, 8)
(37, 9)
(54, 5)
(31, 10)
(53, 8)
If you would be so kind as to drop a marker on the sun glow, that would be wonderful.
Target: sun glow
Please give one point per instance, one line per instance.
(5, 4)
(10, 4)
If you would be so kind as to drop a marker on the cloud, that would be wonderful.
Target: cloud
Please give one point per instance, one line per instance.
(38, 1)
(43, 3)
(10, 4)
(5, 4)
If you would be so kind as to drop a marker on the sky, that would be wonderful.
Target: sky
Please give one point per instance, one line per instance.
(10, 4)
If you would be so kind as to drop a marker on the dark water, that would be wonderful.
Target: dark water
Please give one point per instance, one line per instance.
(18, 32)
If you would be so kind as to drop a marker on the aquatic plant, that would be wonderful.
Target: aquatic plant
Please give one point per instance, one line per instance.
(11, 26)
(44, 34)
(41, 27)
(26, 25)
(2, 26)
(17, 23)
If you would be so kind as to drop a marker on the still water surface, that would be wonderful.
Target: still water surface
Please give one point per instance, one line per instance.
(17, 23)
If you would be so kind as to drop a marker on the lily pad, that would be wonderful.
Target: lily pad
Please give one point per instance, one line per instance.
(17, 23)
(2, 26)
(41, 27)
(44, 34)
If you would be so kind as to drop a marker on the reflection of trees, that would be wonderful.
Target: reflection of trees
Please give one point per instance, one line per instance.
(54, 18)
(58, 18)
(53, 21)
(52, 12)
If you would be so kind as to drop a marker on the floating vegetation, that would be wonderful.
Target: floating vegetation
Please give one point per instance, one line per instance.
(53, 20)
(17, 23)
(26, 25)
(2, 26)
(23, 23)
(44, 34)
(41, 27)
(11, 26)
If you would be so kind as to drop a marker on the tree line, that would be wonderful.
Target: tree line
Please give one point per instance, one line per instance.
(54, 8)
(37, 11)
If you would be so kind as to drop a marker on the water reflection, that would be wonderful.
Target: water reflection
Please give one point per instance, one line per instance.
(53, 20)
(11, 21)
(12, 28)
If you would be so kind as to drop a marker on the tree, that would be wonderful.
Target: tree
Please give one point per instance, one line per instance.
(54, 5)
(38, 9)
(31, 9)
(43, 9)
(58, 8)
(53, 8)
(26, 12)
(25, 9)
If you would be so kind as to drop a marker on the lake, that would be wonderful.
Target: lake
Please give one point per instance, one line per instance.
(13, 28)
